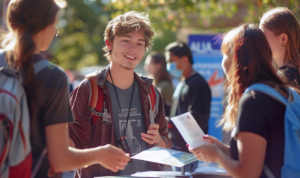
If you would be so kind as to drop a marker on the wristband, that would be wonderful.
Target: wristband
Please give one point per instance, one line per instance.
(158, 142)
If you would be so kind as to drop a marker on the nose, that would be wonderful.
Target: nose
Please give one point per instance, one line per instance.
(132, 48)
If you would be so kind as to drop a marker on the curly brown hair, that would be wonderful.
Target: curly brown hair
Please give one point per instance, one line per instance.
(127, 23)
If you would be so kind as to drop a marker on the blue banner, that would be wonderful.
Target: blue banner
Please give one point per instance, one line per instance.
(208, 62)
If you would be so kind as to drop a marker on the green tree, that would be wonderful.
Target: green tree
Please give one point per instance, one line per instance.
(82, 24)
(258, 7)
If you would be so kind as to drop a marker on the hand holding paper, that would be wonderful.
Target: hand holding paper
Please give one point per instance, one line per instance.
(152, 136)
(189, 129)
(206, 152)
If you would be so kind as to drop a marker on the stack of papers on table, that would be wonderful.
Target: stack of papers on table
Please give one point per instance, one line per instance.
(166, 156)
(168, 174)
(210, 171)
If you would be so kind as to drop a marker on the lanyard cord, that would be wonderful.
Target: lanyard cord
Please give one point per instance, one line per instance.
(119, 101)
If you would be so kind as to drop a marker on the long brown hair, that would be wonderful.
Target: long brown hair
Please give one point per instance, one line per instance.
(24, 19)
(281, 20)
(251, 62)
(162, 74)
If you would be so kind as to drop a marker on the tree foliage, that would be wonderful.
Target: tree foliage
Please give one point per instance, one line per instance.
(258, 7)
(82, 24)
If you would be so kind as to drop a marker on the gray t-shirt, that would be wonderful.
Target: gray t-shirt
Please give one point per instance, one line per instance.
(135, 126)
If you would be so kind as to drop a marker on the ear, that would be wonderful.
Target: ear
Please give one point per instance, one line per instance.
(108, 44)
(186, 59)
(284, 39)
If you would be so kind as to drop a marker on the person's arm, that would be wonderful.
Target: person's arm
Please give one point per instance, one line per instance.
(251, 150)
(199, 97)
(251, 140)
(71, 143)
(65, 158)
(80, 130)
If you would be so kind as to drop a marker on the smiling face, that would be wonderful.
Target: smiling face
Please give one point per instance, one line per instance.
(127, 50)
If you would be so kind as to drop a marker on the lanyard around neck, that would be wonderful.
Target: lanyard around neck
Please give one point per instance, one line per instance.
(119, 100)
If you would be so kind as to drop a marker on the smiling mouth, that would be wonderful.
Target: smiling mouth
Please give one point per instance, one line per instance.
(130, 57)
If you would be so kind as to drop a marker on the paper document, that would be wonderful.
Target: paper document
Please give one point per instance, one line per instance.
(168, 174)
(189, 129)
(166, 156)
(220, 172)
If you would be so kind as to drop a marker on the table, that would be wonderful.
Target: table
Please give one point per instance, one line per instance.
(194, 176)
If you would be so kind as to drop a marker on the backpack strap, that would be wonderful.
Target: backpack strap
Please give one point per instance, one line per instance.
(93, 94)
(2, 59)
(39, 163)
(153, 97)
(8, 129)
(96, 100)
(271, 92)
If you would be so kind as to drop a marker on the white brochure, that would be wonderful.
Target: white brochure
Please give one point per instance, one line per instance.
(166, 156)
(189, 129)
(164, 174)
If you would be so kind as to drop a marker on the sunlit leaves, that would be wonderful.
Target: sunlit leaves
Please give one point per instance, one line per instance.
(258, 7)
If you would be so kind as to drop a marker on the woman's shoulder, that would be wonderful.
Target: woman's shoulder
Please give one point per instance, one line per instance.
(52, 75)
(290, 76)
(287, 71)
(258, 99)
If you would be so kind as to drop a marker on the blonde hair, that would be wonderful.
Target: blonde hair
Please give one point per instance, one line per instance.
(127, 23)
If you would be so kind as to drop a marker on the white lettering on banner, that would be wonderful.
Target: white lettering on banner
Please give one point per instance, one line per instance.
(215, 109)
(202, 47)
(207, 65)
(205, 72)
(216, 103)
(217, 115)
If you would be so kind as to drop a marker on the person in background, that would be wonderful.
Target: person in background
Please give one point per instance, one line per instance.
(31, 25)
(155, 65)
(192, 94)
(282, 31)
(255, 119)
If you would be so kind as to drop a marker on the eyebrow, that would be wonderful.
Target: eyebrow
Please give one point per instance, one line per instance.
(128, 36)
